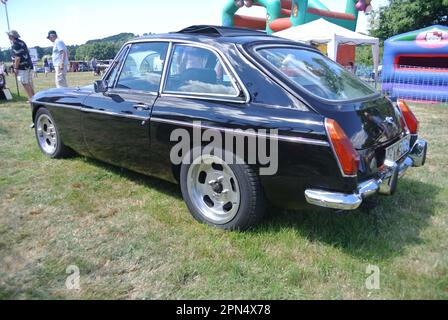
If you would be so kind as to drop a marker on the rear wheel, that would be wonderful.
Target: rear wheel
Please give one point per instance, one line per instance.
(227, 196)
(47, 135)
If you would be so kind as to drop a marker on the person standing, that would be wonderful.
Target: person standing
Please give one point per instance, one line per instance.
(60, 59)
(351, 68)
(94, 65)
(3, 69)
(46, 67)
(22, 64)
(34, 70)
(2, 79)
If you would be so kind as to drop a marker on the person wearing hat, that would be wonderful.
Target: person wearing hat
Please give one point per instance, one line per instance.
(22, 64)
(60, 59)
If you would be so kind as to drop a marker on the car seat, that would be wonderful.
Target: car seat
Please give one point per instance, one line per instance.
(198, 74)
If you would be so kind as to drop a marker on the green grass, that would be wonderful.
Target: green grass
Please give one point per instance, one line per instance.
(132, 236)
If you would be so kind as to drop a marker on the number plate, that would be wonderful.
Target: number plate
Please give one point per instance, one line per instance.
(398, 149)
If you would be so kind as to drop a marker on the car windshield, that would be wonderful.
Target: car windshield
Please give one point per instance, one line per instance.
(316, 73)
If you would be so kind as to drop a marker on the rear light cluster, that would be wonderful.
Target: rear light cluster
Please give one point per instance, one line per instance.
(347, 156)
(410, 119)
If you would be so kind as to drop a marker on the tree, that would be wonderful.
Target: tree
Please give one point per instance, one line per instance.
(72, 52)
(406, 15)
(100, 50)
(5, 55)
(118, 38)
(364, 55)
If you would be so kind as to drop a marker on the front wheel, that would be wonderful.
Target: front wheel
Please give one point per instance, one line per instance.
(227, 196)
(47, 135)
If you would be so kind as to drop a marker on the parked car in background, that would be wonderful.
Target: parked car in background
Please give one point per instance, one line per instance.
(84, 67)
(339, 141)
(2, 81)
(103, 65)
(3, 73)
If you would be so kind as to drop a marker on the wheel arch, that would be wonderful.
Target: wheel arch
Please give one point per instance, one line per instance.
(35, 108)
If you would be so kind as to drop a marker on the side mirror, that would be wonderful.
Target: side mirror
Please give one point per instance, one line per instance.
(100, 86)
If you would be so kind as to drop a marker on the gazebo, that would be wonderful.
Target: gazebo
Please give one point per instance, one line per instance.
(324, 32)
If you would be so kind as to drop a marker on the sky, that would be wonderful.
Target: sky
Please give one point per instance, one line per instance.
(78, 21)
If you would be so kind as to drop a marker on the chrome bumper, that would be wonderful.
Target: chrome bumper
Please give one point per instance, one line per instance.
(386, 184)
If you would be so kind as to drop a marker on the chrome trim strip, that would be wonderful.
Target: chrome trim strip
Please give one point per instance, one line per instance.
(242, 132)
(203, 94)
(166, 64)
(57, 105)
(114, 114)
(86, 110)
(186, 96)
(188, 124)
(130, 91)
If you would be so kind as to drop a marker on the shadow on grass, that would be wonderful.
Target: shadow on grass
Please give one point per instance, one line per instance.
(164, 186)
(381, 232)
(15, 98)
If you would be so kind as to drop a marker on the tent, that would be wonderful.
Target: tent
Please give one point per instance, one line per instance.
(323, 32)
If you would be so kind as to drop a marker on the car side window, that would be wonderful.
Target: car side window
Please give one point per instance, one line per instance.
(195, 70)
(142, 69)
(111, 77)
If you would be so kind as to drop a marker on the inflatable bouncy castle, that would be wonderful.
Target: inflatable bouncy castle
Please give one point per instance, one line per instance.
(284, 14)
(415, 65)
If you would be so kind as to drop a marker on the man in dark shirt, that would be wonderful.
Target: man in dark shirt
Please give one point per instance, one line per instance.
(22, 63)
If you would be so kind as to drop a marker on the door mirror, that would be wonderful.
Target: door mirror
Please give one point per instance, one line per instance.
(100, 86)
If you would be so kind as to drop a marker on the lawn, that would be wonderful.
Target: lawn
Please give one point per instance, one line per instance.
(131, 236)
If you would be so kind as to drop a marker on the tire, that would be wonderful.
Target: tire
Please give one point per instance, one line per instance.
(226, 196)
(47, 135)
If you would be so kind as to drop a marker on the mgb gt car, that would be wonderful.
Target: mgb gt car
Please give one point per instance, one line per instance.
(239, 120)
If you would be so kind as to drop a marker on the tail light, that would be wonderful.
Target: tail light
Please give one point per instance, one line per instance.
(347, 156)
(409, 117)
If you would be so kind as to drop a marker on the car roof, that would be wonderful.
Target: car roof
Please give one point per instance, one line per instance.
(229, 35)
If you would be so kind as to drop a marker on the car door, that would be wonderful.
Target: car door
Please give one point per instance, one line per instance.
(116, 123)
(198, 88)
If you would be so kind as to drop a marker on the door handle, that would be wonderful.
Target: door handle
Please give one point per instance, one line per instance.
(142, 106)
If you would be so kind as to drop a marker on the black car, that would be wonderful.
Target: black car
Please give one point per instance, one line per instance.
(239, 119)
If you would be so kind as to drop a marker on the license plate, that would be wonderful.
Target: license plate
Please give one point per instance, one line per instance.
(396, 151)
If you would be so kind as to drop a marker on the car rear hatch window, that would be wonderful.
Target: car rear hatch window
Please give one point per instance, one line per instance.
(314, 73)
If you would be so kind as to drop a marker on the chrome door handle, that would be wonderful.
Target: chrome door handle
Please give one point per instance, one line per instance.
(141, 106)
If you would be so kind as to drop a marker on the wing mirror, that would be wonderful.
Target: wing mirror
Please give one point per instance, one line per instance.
(100, 86)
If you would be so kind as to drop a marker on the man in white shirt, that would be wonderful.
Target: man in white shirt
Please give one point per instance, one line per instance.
(60, 59)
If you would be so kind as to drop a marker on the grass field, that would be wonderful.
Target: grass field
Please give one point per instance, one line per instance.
(131, 236)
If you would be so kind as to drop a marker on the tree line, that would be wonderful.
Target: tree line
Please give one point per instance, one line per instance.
(101, 49)
(401, 16)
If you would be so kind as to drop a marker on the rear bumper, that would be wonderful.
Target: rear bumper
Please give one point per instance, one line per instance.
(386, 184)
